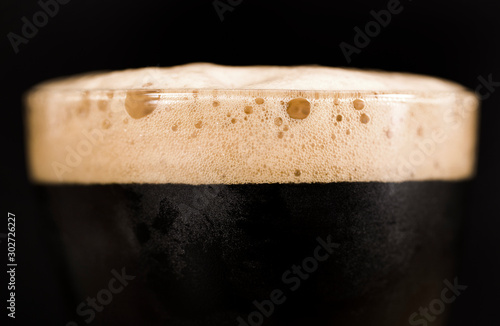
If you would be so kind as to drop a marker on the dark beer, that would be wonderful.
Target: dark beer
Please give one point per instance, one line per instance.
(206, 206)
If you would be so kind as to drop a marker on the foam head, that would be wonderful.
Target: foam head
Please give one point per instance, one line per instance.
(203, 124)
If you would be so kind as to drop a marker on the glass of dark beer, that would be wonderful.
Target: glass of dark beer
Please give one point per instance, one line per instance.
(211, 195)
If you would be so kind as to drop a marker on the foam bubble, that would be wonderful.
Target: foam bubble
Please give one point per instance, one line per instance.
(140, 103)
(248, 109)
(358, 104)
(298, 108)
(364, 118)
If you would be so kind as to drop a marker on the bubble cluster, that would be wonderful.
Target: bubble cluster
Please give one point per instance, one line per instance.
(209, 136)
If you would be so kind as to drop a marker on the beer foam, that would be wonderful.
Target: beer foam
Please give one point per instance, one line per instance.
(209, 124)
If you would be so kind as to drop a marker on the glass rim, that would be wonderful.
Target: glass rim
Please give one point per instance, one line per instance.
(189, 94)
(464, 90)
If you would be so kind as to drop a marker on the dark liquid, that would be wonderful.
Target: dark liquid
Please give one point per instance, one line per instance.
(211, 255)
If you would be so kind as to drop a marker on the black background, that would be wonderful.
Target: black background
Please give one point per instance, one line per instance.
(458, 40)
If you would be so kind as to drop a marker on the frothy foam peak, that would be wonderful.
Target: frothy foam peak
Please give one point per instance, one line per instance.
(212, 76)
(209, 124)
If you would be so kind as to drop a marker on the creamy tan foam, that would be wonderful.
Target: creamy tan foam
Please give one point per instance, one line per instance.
(204, 123)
